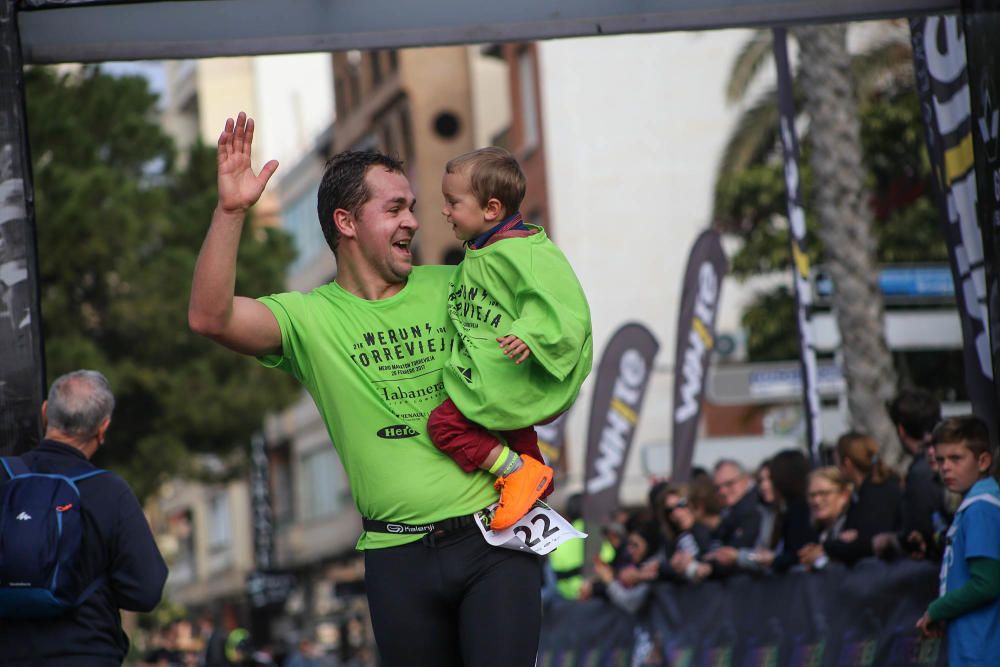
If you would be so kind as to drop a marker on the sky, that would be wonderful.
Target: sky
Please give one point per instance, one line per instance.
(152, 70)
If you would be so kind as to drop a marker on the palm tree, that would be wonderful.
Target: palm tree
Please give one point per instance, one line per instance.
(845, 228)
(826, 92)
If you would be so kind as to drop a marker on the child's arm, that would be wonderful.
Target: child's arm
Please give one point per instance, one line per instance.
(983, 587)
(556, 332)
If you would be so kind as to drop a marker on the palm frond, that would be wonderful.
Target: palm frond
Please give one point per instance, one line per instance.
(754, 55)
(754, 135)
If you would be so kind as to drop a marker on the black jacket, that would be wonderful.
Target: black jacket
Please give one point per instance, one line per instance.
(117, 542)
(797, 531)
(923, 498)
(740, 523)
(875, 508)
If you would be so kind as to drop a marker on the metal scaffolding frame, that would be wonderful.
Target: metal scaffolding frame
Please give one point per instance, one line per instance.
(53, 31)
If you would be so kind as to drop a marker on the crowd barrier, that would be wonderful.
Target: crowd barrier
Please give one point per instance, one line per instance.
(862, 616)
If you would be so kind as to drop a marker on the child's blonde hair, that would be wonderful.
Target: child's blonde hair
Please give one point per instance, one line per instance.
(492, 173)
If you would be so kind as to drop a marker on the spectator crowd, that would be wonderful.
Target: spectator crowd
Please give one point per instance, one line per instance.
(783, 515)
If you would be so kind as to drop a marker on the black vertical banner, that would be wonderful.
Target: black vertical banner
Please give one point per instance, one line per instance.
(619, 388)
(260, 504)
(695, 339)
(797, 244)
(265, 587)
(22, 365)
(552, 441)
(982, 35)
(942, 76)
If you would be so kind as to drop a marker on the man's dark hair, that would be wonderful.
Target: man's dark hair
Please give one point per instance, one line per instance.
(917, 411)
(968, 430)
(789, 474)
(344, 186)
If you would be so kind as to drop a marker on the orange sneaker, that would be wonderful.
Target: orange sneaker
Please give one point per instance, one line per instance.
(519, 491)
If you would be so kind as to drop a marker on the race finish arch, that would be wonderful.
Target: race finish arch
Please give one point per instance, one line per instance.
(54, 31)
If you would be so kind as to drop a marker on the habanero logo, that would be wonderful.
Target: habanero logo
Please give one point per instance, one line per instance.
(396, 432)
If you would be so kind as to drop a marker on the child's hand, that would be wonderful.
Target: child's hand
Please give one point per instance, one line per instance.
(515, 348)
(929, 628)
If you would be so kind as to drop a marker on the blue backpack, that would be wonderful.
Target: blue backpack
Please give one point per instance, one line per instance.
(41, 532)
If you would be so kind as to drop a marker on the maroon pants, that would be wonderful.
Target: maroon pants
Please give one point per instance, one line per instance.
(468, 443)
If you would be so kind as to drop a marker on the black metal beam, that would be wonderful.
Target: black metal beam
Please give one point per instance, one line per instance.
(82, 31)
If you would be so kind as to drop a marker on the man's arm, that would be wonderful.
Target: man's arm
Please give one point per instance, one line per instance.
(137, 572)
(241, 324)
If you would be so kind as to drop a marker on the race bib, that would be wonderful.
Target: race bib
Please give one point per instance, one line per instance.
(540, 531)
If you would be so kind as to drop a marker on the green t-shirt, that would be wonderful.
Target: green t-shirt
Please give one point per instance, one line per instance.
(525, 287)
(374, 370)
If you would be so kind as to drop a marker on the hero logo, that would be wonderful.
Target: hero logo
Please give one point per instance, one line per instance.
(396, 432)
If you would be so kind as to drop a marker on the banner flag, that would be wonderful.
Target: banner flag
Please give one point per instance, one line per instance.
(695, 339)
(552, 441)
(619, 388)
(982, 29)
(797, 243)
(943, 85)
(22, 363)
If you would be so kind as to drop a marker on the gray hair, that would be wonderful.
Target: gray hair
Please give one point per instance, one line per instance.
(730, 462)
(78, 402)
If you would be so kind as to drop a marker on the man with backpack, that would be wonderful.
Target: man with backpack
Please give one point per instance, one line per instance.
(75, 546)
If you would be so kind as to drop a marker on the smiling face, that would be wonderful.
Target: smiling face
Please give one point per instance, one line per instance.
(959, 467)
(826, 499)
(467, 217)
(384, 227)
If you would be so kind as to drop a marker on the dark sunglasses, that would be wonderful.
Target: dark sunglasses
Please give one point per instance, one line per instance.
(680, 503)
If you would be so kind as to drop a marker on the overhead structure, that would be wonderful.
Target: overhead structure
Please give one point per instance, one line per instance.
(55, 31)
(97, 30)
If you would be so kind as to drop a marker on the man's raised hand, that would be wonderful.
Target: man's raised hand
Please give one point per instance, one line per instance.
(239, 187)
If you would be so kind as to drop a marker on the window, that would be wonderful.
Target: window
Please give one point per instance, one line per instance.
(302, 223)
(375, 61)
(323, 487)
(529, 102)
(536, 217)
(354, 77)
(181, 528)
(340, 97)
(281, 487)
(219, 533)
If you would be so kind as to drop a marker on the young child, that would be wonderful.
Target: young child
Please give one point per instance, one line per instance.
(522, 338)
(970, 572)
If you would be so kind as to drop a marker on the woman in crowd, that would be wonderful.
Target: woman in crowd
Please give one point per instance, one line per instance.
(876, 504)
(628, 587)
(680, 558)
(789, 476)
(829, 496)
